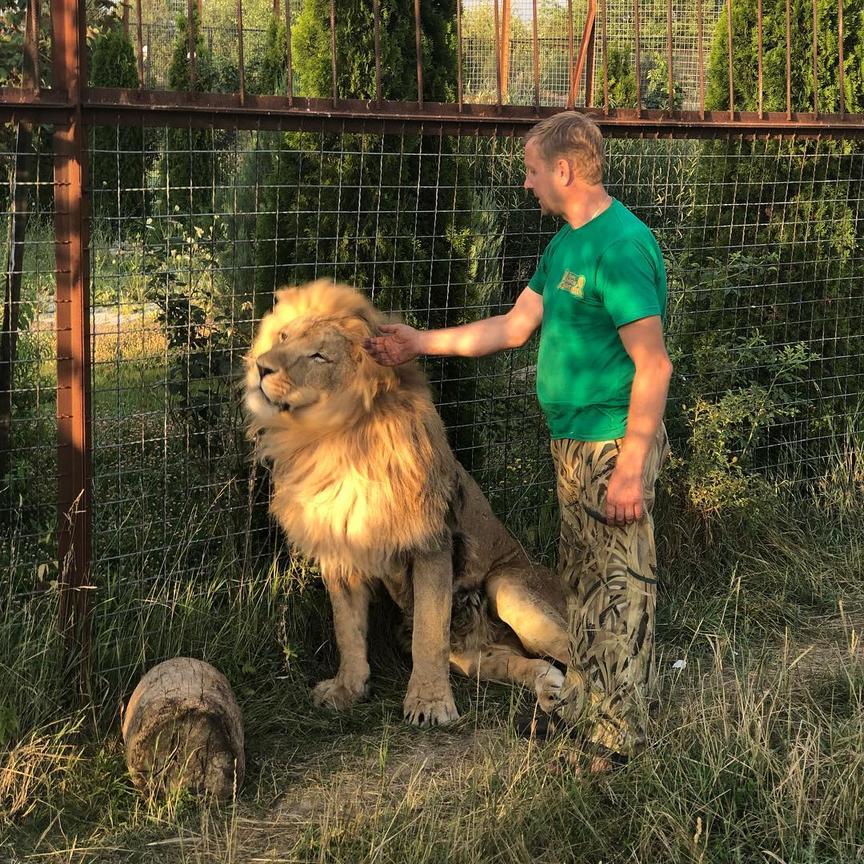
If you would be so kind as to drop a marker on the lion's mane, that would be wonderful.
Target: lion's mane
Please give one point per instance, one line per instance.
(366, 478)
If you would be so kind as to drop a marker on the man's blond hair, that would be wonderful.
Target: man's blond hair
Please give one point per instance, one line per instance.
(571, 136)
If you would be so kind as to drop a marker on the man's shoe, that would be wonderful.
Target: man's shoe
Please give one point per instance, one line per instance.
(539, 726)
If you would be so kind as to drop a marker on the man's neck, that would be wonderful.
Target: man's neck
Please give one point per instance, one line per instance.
(588, 205)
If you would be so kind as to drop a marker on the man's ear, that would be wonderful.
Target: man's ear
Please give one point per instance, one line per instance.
(565, 171)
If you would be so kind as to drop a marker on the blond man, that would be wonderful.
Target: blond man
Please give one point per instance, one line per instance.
(603, 373)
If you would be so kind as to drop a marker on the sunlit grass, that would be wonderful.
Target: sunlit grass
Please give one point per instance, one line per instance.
(757, 749)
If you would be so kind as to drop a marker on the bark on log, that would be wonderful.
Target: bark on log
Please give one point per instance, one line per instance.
(183, 729)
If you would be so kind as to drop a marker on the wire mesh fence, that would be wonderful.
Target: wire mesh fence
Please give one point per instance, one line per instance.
(28, 381)
(762, 242)
(159, 39)
(559, 33)
(193, 227)
(558, 28)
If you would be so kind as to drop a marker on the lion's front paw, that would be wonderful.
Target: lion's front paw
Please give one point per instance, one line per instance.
(338, 693)
(430, 705)
(548, 686)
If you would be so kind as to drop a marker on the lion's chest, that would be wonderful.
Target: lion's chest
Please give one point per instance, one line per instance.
(348, 508)
(347, 519)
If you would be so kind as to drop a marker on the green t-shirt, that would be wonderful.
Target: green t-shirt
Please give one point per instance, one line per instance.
(594, 279)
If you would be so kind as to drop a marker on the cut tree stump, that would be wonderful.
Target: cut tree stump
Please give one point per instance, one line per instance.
(183, 729)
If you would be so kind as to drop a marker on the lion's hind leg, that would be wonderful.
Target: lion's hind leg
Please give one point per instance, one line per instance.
(504, 664)
(531, 603)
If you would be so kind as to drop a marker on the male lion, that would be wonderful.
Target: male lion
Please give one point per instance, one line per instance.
(367, 485)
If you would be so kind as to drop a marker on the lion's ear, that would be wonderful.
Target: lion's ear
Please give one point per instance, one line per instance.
(372, 378)
(368, 318)
(286, 295)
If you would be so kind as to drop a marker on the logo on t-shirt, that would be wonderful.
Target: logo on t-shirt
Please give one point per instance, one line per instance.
(573, 283)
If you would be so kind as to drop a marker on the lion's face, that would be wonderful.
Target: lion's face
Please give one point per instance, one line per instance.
(308, 353)
(302, 367)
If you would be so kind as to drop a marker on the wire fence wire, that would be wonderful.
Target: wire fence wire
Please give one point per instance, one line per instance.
(192, 230)
(556, 51)
(761, 241)
(159, 38)
(28, 391)
(614, 28)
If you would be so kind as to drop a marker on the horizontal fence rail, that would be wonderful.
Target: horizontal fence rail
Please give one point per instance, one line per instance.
(107, 106)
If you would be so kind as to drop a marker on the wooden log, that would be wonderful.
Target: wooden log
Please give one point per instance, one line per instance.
(183, 729)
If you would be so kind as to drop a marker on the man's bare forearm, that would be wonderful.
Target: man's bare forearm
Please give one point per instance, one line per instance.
(647, 404)
(398, 343)
(468, 340)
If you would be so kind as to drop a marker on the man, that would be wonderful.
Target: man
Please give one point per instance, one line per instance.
(602, 378)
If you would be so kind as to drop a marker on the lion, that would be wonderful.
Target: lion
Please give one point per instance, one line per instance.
(366, 484)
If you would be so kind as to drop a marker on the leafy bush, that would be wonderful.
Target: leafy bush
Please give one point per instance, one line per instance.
(763, 377)
(181, 266)
(355, 54)
(267, 72)
(745, 36)
(411, 245)
(190, 162)
(621, 81)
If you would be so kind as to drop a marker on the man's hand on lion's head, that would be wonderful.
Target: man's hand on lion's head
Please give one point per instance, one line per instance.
(398, 344)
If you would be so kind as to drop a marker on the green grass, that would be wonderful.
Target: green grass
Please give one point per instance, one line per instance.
(757, 748)
(753, 756)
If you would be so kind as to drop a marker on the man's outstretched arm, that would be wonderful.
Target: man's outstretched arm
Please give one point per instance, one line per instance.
(400, 343)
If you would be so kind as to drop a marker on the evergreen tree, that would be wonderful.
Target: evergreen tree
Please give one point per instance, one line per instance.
(745, 43)
(267, 72)
(355, 49)
(768, 309)
(118, 164)
(190, 161)
(316, 180)
(387, 214)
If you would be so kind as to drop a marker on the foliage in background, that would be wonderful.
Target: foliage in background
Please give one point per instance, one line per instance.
(190, 163)
(267, 71)
(745, 42)
(403, 239)
(302, 232)
(118, 162)
(12, 24)
(784, 238)
(480, 65)
(621, 81)
(355, 52)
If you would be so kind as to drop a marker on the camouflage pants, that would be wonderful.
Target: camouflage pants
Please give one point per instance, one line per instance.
(610, 575)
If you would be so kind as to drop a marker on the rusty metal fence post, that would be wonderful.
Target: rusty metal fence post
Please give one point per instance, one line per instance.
(73, 342)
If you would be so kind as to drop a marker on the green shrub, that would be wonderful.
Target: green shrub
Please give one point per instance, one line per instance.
(408, 238)
(621, 81)
(119, 160)
(267, 73)
(190, 163)
(745, 43)
(774, 291)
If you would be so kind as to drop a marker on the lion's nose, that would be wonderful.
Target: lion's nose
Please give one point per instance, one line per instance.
(264, 371)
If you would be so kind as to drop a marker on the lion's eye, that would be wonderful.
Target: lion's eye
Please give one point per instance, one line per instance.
(318, 358)
(283, 336)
